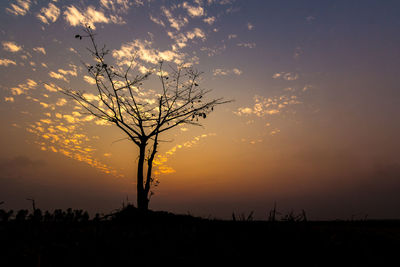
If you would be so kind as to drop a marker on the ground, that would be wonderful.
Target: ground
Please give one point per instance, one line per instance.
(133, 238)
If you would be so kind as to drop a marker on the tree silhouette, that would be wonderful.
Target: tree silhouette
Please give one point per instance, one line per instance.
(120, 101)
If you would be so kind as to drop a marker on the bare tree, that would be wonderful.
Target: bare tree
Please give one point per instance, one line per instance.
(120, 101)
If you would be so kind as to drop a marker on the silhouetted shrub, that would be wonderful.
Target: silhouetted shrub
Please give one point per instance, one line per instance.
(21, 215)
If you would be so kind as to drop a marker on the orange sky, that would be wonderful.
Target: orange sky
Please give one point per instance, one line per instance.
(314, 122)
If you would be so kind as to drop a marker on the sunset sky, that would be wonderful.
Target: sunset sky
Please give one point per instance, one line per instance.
(314, 125)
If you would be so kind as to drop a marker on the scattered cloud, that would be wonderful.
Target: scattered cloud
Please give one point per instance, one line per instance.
(220, 72)
(161, 159)
(209, 20)
(216, 50)
(247, 45)
(306, 87)
(119, 6)
(11, 47)
(275, 131)
(61, 73)
(51, 87)
(232, 36)
(49, 14)
(20, 8)
(145, 52)
(61, 102)
(180, 40)
(157, 21)
(40, 50)
(237, 71)
(73, 50)
(250, 26)
(69, 72)
(267, 106)
(23, 87)
(288, 76)
(193, 11)
(6, 62)
(297, 52)
(57, 76)
(60, 135)
(89, 80)
(90, 16)
(224, 72)
(175, 22)
(9, 99)
(197, 32)
(224, 2)
(310, 19)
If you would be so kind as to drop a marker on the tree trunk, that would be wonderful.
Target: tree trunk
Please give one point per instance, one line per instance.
(142, 198)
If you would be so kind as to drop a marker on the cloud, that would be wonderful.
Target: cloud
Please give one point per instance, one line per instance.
(306, 87)
(68, 72)
(20, 8)
(89, 79)
(60, 75)
(216, 50)
(244, 111)
(157, 21)
(297, 52)
(57, 76)
(40, 50)
(145, 52)
(49, 14)
(197, 32)
(24, 87)
(60, 135)
(9, 99)
(209, 20)
(11, 47)
(288, 76)
(175, 23)
(220, 72)
(310, 19)
(75, 17)
(275, 131)
(231, 36)
(237, 71)
(161, 159)
(225, 2)
(6, 62)
(247, 45)
(61, 102)
(250, 26)
(180, 40)
(267, 106)
(119, 6)
(51, 87)
(223, 72)
(193, 11)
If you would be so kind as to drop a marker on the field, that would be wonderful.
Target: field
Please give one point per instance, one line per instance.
(133, 238)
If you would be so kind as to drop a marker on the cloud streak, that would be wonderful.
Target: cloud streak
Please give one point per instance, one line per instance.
(20, 8)
(49, 14)
(5, 62)
(11, 47)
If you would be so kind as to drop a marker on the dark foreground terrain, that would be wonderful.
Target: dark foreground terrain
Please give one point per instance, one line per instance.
(131, 238)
